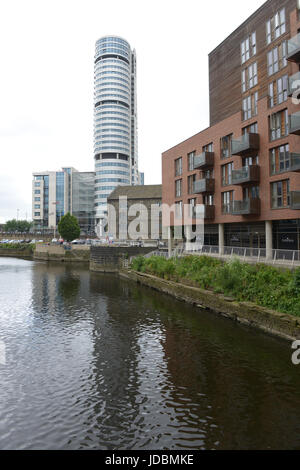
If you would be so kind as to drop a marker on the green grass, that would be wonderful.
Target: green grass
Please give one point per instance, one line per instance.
(277, 289)
(20, 247)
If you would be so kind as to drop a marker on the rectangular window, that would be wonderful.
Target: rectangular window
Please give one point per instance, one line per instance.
(250, 106)
(279, 125)
(208, 148)
(191, 157)
(178, 167)
(275, 26)
(249, 77)
(280, 194)
(37, 214)
(227, 199)
(279, 159)
(37, 199)
(278, 91)
(37, 206)
(227, 174)
(37, 191)
(191, 180)
(226, 146)
(192, 205)
(252, 129)
(178, 188)
(277, 58)
(178, 209)
(248, 48)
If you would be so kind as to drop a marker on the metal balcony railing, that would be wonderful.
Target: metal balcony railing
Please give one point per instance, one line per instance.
(247, 143)
(247, 174)
(205, 185)
(204, 160)
(294, 123)
(295, 200)
(294, 49)
(245, 207)
(295, 161)
(294, 83)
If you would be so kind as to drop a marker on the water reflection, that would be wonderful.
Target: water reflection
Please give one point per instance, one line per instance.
(101, 363)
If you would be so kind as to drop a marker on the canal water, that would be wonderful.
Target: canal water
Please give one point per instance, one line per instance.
(96, 362)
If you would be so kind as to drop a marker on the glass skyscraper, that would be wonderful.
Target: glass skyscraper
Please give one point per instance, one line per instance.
(115, 119)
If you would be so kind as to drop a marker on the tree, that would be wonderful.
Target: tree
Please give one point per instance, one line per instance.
(17, 226)
(68, 227)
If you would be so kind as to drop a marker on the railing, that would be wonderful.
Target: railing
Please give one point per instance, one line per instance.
(245, 143)
(203, 160)
(294, 123)
(293, 47)
(295, 161)
(247, 174)
(245, 207)
(204, 185)
(289, 257)
(295, 200)
(294, 84)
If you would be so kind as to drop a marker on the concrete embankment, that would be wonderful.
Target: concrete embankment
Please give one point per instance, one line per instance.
(78, 254)
(16, 253)
(275, 323)
(109, 259)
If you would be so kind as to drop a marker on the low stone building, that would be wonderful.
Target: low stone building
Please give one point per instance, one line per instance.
(134, 213)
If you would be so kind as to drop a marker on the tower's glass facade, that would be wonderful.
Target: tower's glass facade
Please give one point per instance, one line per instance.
(115, 119)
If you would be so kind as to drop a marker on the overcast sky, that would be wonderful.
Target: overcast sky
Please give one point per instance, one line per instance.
(46, 92)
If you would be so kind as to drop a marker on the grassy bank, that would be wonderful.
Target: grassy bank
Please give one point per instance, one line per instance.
(270, 287)
(17, 247)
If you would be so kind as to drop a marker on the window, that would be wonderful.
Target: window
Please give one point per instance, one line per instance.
(248, 47)
(178, 188)
(275, 26)
(226, 146)
(277, 58)
(250, 106)
(251, 193)
(191, 180)
(249, 161)
(37, 206)
(208, 148)
(280, 159)
(192, 206)
(249, 77)
(280, 194)
(227, 199)
(191, 157)
(279, 126)
(37, 199)
(37, 191)
(278, 91)
(37, 214)
(252, 129)
(178, 209)
(37, 184)
(178, 167)
(208, 199)
(227, 174)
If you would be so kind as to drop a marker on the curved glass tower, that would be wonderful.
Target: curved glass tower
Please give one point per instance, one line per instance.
(115, 119)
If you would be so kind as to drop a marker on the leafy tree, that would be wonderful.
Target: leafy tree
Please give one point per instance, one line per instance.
(68, 227)
(17, 226)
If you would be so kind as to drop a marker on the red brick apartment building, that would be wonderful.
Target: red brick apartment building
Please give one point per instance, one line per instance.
(245, 168)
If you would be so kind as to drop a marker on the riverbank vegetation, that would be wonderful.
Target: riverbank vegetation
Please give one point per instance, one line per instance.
(19, 247)
(274, 288)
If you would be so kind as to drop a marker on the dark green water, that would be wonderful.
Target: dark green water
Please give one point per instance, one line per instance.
(95, 362)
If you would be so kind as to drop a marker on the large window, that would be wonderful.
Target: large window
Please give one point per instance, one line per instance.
(208, 148)
(178, 167)
(191, 181)
(178, 188)
(280, 193)
(280, 159)
(226, 171)
(227, 199)
(275, 26)
(191, 157)
(226, 146)
(279, 125)
(278, 91)
(250, 106)
(248, 48)
(276, 58)
(249, 77)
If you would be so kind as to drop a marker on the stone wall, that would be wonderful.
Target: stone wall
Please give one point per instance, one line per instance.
(275, 323)
(110, 259)
(58, 253)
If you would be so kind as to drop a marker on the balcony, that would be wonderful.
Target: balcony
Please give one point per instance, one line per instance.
(204, 160)
(245, 207)
(206, 212)
(294, 162)
(295, 200)
(293, 54)
(247, 174)
(245, 145)
(206, 185)
(294, 83)
(294, 123)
